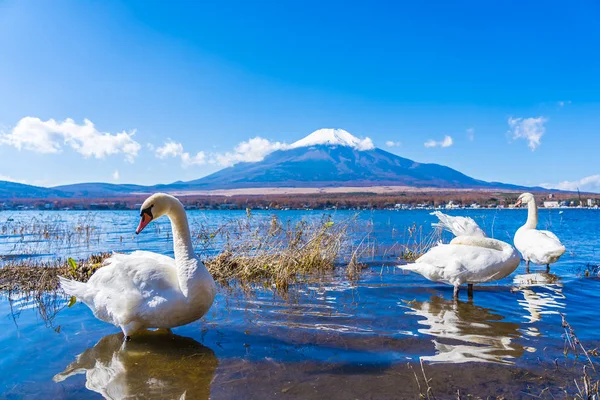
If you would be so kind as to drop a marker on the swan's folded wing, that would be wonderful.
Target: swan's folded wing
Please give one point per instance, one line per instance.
(137, 270)
(542, 246)
(159, 258)
(464, 262)
(442, 263)
(128, 281)
(551, 235)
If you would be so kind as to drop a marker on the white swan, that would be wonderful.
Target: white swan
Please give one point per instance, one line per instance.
(540, 247)
(467, 259)
(148, 290)
(459, 226)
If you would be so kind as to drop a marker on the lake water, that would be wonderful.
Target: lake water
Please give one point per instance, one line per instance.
(336, 338)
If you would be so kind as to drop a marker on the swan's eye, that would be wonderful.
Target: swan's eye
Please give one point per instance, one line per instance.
(147, 211)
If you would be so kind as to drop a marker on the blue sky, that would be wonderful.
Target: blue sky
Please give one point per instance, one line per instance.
(515, 85)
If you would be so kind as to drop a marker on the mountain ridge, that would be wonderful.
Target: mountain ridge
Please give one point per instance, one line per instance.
(323, 159)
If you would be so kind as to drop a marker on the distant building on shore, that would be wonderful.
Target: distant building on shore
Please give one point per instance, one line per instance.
(551, 204)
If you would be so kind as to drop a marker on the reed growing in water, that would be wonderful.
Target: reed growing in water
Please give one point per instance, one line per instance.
(279, 254)
(241, 252)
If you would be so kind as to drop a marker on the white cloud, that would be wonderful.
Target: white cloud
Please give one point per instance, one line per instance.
(49, 137)
(169, 149)
(115, 175)
(588, 184)
(257, 148)
(447, 142)
(563, 103)
(530, 129)
(253, 150)
(471, 134)
(391, 143)
(365, 144)
(198, 159)
(175, 149)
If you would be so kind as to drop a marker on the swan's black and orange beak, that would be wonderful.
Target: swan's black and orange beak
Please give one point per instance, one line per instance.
(146, 217)
(518, 203)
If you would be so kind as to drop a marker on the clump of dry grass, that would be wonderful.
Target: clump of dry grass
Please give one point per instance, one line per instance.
(268, 252)
(278, 254)
(25, 282)
(31, 276)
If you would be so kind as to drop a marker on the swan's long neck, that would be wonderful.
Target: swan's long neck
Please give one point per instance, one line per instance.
(532, 215)
(190, 270)
(182, 241)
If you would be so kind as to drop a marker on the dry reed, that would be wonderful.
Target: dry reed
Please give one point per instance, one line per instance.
(26, 282)
(279, 254)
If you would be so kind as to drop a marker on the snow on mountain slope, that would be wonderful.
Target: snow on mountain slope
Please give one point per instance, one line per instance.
(334, 137)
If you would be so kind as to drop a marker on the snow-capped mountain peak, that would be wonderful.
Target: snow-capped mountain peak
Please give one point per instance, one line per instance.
(334, 137)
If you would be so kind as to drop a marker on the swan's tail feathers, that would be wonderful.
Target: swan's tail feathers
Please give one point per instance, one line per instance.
(458, 226)
(410, 267)
(554, 255)
(73, 288)
(428, 271)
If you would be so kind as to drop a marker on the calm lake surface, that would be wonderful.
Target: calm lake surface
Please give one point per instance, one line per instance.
(336, 338)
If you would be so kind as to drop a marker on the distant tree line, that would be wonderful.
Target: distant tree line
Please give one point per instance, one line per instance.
(359, 200)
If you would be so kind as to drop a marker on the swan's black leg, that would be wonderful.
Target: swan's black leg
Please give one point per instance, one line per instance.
(527, 266)
(547, 267)
(470, 290)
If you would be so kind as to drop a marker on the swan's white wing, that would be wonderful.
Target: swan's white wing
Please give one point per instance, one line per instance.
(130, 283)
(540, 247)
(461, 262)
(459, 226)
(550, 235)
(439, 264)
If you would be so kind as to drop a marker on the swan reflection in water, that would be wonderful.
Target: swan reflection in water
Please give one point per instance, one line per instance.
(542, 294)
(155, 365)
(466, 333)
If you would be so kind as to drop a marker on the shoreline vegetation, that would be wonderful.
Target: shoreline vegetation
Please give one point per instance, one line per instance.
(358, 200)
(241, 252)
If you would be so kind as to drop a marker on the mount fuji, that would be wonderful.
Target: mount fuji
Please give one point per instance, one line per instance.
(334, 157)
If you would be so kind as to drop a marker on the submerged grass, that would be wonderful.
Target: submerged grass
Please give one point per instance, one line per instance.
(26, 283)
